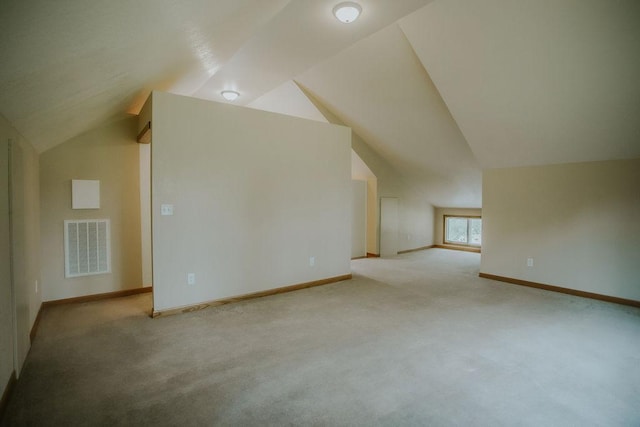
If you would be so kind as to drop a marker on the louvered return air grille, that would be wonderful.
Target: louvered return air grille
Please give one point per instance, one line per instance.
(86, 247)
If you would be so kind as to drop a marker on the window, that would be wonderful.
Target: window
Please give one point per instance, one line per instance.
(462, 230)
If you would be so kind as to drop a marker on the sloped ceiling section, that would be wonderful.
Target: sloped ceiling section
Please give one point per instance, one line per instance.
(70, 65)
(536, 82)
(288, 99)
(304, 33)
(380, 89)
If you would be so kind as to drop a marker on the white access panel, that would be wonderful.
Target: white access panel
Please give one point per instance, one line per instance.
(85, 194)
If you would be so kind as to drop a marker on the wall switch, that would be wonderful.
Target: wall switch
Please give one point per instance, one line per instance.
(312, 261)
(36, 286)
(166, 210)
(191, 279)
(529, 262)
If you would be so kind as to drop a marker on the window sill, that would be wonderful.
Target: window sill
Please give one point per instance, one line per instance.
(460, 248)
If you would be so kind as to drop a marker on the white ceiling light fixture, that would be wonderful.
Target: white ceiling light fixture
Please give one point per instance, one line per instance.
(347, 11)
(230, 95)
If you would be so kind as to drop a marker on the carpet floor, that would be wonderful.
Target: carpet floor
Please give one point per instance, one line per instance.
(417, 339)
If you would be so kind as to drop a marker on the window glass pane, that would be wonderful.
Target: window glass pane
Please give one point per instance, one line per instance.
(475, 231)
(456, 230)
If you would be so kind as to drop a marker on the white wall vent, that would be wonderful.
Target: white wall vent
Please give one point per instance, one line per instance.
(87, 250)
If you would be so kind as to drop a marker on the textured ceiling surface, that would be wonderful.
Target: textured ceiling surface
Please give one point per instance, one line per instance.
(70, 65)
(440, 89)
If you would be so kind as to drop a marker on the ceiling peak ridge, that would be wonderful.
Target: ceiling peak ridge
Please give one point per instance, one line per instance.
(430, 82)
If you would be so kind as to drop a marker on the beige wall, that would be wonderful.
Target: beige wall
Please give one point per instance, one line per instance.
(145, 196)
(255, 195)
(145, 213)
(360, 171)
(359, 218)
(7, 344)
(25, 263)
(416, 221)
(26, 241)
(579, 222)
(438, 225)
(109, 154)
(415, 214)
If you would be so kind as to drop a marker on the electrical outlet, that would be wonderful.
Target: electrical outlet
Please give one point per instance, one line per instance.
(529, 262)
(312, 261)
(191, 279)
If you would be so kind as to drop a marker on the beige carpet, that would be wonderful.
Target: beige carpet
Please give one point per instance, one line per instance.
(414, 340)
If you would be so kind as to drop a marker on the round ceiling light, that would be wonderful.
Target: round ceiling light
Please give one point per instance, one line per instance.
(347, 11)
(230, 95)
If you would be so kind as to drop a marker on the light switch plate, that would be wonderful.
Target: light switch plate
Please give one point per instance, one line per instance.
(166, 210)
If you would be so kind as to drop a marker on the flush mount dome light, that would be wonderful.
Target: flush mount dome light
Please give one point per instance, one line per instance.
(347, 11)
(230, 95)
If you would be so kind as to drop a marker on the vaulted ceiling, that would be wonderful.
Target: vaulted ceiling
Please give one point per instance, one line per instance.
(440, 89)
